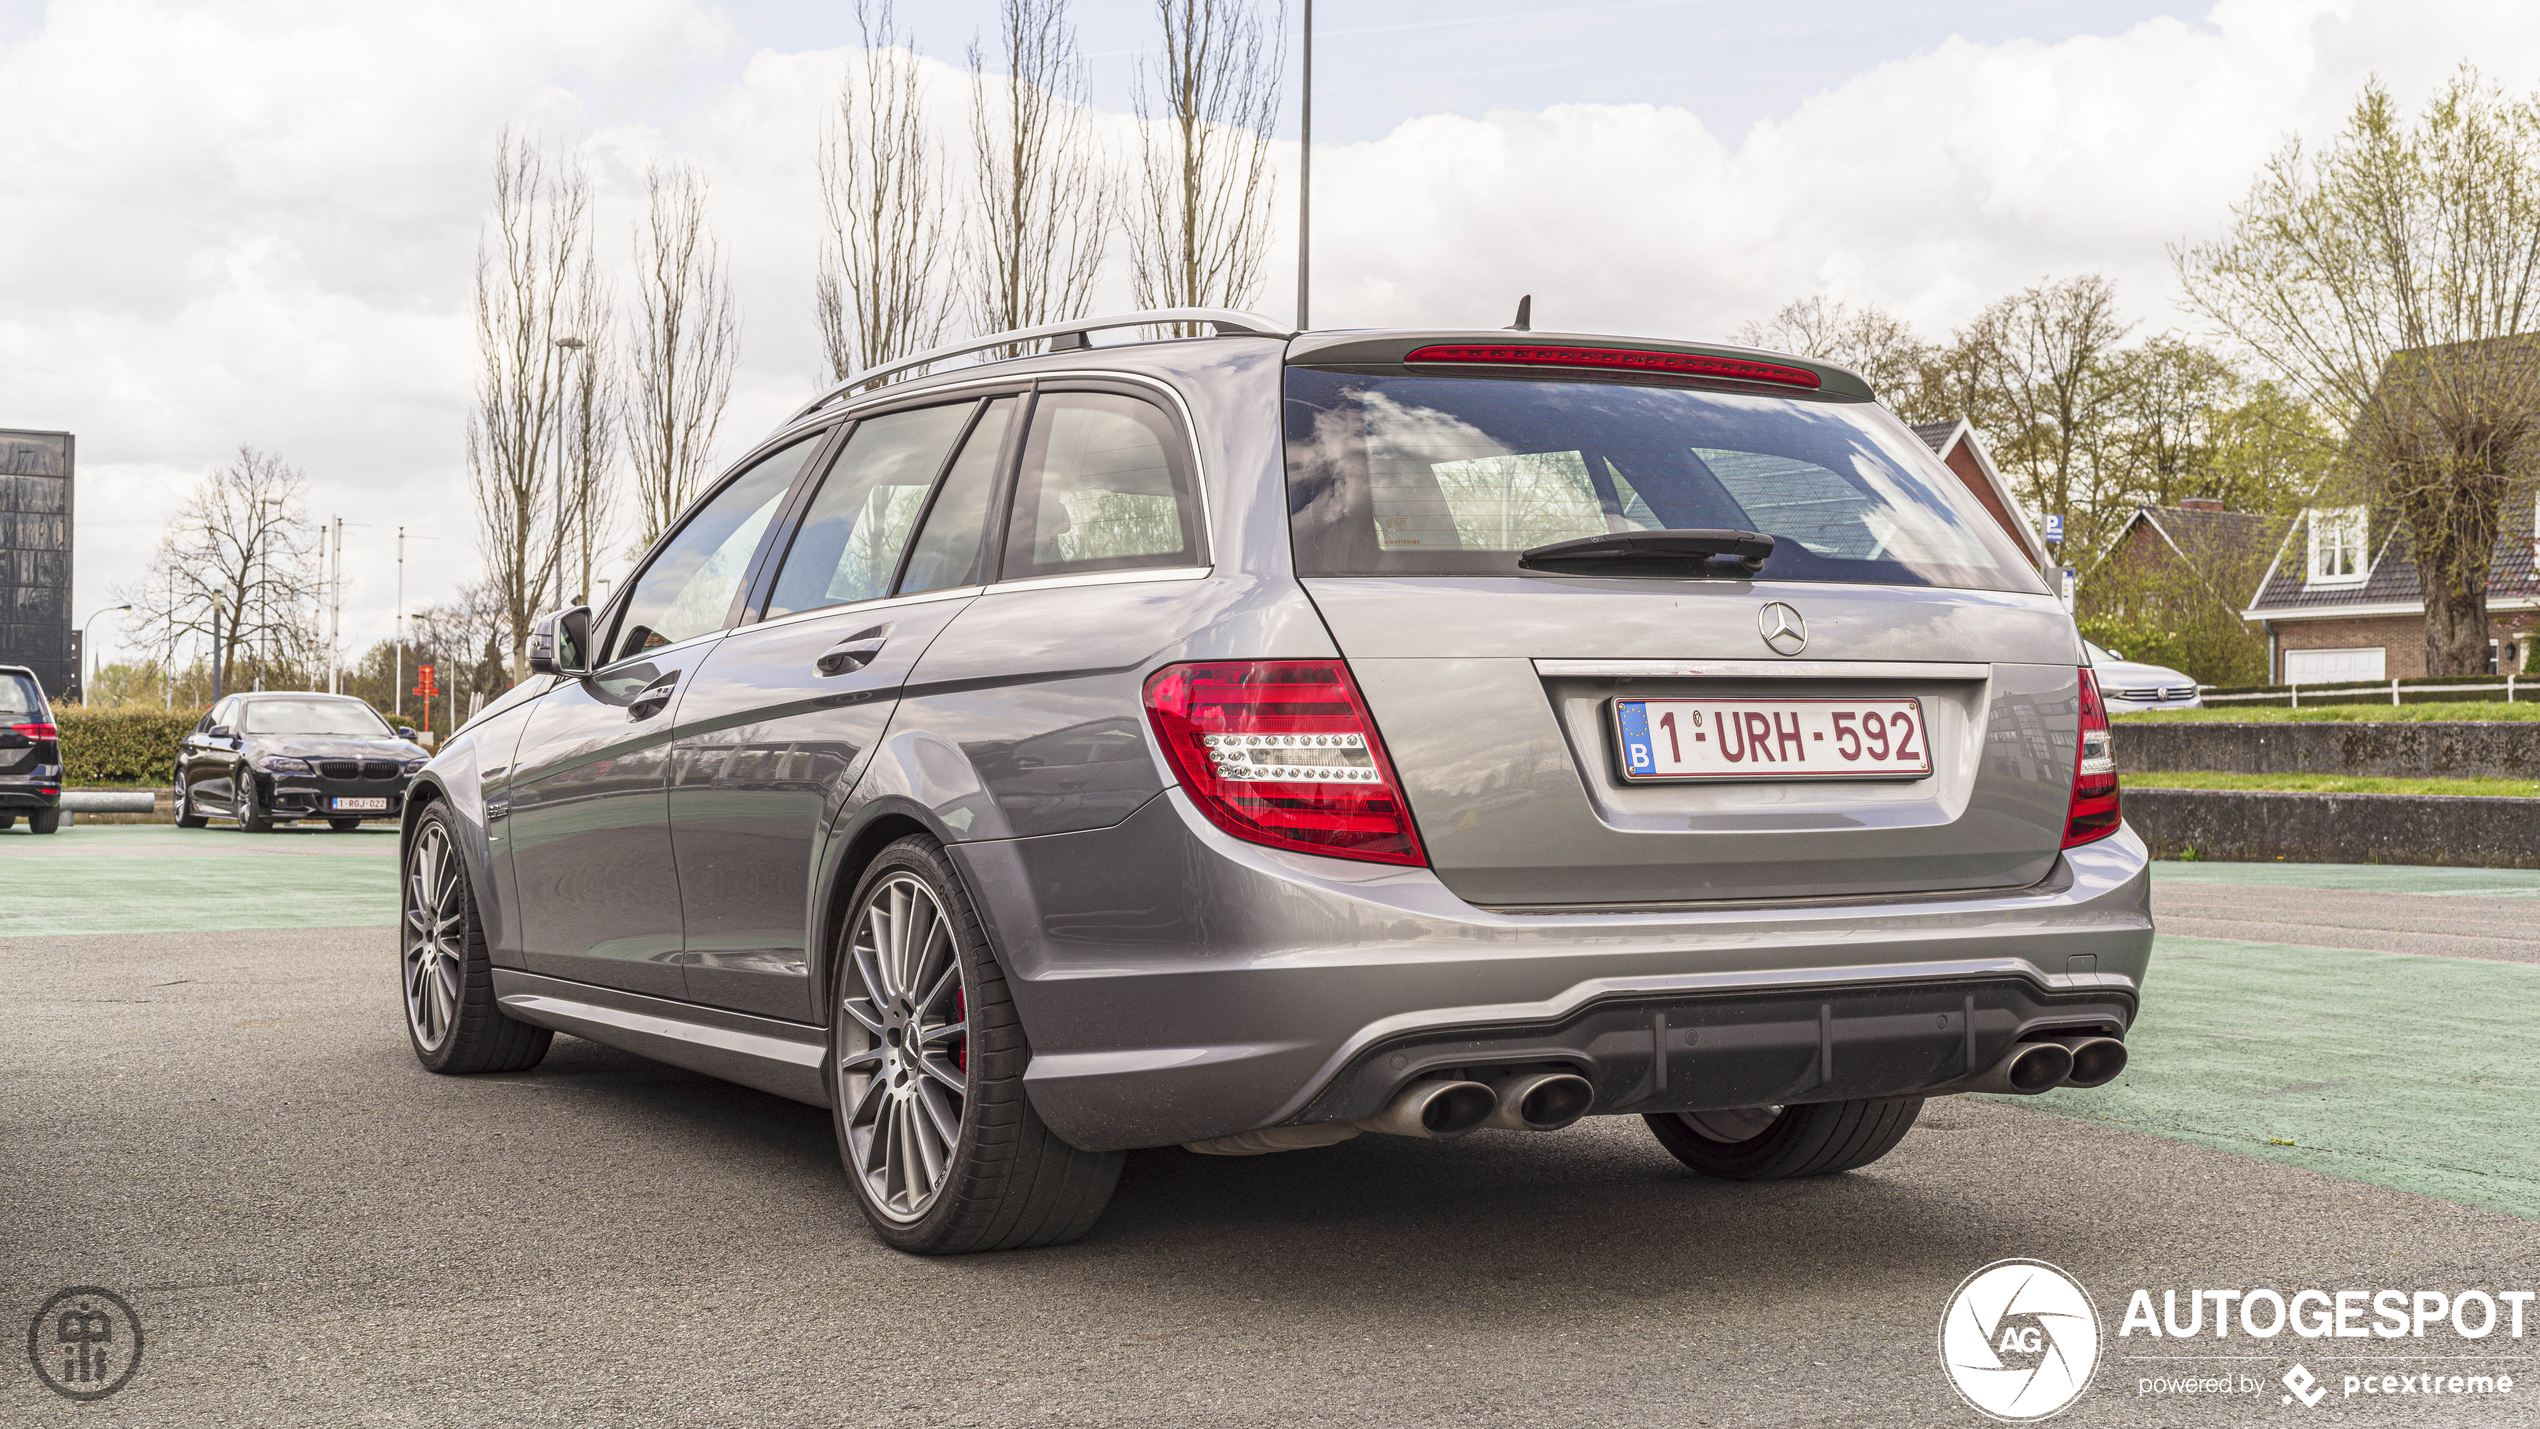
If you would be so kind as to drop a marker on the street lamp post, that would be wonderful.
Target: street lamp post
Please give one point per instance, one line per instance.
(1305, 174)
(572, 347)
(86, 664)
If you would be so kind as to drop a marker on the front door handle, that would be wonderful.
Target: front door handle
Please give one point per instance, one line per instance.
(649, 700)
(849, 655)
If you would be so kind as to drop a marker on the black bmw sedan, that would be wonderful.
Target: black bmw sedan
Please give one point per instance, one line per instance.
(267, 758)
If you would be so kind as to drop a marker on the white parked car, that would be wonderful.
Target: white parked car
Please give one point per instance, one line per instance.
(2130, 685)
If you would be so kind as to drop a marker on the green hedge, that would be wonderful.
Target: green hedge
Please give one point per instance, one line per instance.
(121, 746)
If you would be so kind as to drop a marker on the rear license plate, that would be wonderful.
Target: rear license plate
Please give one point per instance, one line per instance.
(1772, 739)
(359, 806)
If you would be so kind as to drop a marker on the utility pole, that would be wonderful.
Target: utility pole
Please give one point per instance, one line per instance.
(398, 685)
(335, 619)
(1305, 175)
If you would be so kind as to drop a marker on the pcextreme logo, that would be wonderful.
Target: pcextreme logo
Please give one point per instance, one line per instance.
(2020, 1341)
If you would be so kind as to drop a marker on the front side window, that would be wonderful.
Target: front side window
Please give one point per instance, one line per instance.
(2337, 543)
(350, 719)
(687, 590)
(1102, 486)
(848, 545)
(1460, 475)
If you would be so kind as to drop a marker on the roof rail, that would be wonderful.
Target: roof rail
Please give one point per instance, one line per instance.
(1223, 320)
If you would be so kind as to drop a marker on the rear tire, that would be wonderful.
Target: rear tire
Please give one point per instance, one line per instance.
(186, 815)
(8, 821)
(43, 821)
(1813, 1140)
(446, 976)
(914, 971)
(343, 826)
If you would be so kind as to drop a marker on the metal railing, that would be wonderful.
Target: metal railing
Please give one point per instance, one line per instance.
(1219, 320)
(2348, 692)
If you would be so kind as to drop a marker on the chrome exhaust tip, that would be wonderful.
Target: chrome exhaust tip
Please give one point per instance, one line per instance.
(1434, 1109)
(1541, 1101)
(2097, 1060)
(2024, 1071)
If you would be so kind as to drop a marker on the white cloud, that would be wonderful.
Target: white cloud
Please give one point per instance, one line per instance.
(256, 222)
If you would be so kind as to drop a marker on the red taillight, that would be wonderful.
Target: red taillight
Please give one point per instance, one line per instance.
(1282, 752)
(38, 731)
(2094, 808)
(1690, 364)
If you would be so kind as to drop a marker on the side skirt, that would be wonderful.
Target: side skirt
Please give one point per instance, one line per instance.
(781, 1057)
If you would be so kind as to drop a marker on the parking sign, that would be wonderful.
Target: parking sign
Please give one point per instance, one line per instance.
(2055, 528)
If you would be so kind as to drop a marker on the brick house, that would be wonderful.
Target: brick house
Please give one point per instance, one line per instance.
(2334, 607)
(2199, 536)
(1954, 442)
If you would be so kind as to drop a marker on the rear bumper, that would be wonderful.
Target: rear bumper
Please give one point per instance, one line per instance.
(1178, 984)
(22, 792)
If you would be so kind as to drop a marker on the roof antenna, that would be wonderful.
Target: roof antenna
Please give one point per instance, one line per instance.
(1525, 315)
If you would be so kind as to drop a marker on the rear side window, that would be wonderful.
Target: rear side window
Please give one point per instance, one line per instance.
(687, 591)
(849, 543)
(1103, 486)
(1458, 475)
(20, 701)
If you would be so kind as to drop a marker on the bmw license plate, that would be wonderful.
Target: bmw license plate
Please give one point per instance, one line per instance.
(1772, 739)
(358, 806)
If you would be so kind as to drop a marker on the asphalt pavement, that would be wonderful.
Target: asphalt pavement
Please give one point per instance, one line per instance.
(223, 1124)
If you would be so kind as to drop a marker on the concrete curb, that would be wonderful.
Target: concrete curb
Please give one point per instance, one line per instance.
(2447, 749)
(2262, 826)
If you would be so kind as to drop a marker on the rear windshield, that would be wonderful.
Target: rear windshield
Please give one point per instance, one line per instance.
(340, 717)
(20, 701)
(1457, 475)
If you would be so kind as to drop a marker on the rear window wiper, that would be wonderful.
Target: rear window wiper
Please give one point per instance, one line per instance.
(1617, 550)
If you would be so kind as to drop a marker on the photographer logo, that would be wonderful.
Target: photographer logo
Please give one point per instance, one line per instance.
(85, 1343)
(2019, 1340)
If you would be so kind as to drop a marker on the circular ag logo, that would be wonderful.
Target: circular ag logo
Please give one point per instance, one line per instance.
(85, 1343)
(2019, 1340)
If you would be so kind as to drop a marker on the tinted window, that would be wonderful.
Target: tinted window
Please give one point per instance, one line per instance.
(850, 540)
(1102, 487)
(349, 718)
(20, 701)
(947, 549)
(1456, 476)
(687, 590)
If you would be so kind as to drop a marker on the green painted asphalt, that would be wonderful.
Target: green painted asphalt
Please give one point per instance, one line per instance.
(158, 878)
(2402, 1070)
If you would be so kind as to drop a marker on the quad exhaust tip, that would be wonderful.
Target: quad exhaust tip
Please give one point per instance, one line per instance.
(1541, 1101)
(2027, 1069)
(2097, 1060)
(1437, 1110)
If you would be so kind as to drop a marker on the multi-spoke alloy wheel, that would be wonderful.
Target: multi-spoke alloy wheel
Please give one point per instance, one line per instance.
(436, 937)
(905, 1068)
(926, 1077)
(446, 974)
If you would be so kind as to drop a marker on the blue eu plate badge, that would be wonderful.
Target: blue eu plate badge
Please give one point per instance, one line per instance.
(1637, 759)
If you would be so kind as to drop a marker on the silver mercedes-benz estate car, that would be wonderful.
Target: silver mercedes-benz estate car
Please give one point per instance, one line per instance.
(1250, 741)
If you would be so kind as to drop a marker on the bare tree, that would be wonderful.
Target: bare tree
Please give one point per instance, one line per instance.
(592, 422)
(2394, 281)
(237, 562)
(686, 341)
(1878, 345)
(1200, 221)
(531, 288)
(1038, 234)
(2038, 362)
(879, 295)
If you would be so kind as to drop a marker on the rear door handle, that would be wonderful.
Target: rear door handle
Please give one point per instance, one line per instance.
(849, 655)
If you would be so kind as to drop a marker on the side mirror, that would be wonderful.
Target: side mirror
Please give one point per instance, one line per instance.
(406, 732)
(560, 642)
(218, 731)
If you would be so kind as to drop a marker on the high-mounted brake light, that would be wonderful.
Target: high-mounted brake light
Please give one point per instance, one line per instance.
(1631, 359)
(2094, 812)
(38, 731)
(1282, 752)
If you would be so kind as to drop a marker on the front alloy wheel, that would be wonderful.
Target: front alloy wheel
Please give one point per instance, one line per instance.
(446, 973)
(926, 1075)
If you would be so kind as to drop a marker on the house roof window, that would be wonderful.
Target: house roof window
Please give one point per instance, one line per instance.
(2337, 544)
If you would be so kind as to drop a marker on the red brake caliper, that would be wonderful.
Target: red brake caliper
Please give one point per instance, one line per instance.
(961, 1014)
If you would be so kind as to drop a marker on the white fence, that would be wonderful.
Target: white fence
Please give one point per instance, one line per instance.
(2348, 692)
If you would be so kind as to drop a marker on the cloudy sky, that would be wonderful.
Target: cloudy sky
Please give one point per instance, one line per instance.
(255, 221)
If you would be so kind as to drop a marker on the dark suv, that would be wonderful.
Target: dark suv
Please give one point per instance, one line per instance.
(30, 753)
(1252, 741)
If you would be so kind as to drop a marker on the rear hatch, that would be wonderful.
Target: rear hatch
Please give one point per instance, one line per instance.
(1888, 705)
(27, 742)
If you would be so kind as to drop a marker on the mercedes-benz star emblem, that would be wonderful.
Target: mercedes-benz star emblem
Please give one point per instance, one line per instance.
(1782, 628)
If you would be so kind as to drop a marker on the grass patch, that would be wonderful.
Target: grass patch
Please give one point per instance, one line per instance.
(2334, 784)
(2276, 714)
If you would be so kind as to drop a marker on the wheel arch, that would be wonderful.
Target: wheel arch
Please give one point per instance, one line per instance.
(854, 845)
